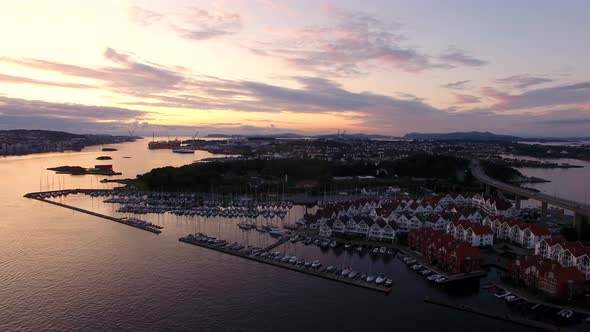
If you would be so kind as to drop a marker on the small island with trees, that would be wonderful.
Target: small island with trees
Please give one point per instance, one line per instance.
(79, 170)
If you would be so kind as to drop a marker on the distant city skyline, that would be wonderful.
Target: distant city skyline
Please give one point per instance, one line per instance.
(267, 66)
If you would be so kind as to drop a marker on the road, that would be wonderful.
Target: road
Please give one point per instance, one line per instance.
(567, 204)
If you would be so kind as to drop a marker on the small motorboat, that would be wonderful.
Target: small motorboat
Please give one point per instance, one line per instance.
(388, 283)
(370, 278)
(316, 264)
(380, 280)
(425, 272)
(502, 293)
(510, 298)
(434, 277)
(440, 280)
(245, 226)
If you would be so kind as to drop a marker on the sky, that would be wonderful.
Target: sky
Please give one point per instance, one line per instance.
(268, 66)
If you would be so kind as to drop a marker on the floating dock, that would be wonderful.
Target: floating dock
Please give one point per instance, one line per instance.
(497, 316)
(104, 216)
(317, 273)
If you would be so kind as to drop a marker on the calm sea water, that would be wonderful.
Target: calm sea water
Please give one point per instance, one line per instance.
(570, 183)
(63, 270)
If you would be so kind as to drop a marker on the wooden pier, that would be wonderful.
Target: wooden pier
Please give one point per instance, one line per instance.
(276, 244)
(119, 220)
(308, 271)
(497, 316)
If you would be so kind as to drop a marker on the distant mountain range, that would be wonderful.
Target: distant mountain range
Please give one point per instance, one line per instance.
(329, 136)
(463, 136)
(455, 136)
(487, 136)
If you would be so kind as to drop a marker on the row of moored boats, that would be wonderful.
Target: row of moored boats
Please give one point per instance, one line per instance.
(423, 270)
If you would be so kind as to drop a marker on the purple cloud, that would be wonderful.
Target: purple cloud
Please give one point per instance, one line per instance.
(143, 16)
(23, 109)
(456, 57)
(150, 84)
(199, 24)
(354, 42)
(522, 81)
(466, 99)
(459, 85)
(561, 95)
(129, 74)
(31, 81)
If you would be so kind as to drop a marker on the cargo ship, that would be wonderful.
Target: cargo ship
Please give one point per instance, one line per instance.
(164, 144)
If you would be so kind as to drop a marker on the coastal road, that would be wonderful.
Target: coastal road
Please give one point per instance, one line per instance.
(577, 207)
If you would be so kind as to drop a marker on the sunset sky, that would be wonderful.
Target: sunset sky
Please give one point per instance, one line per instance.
(268, 66)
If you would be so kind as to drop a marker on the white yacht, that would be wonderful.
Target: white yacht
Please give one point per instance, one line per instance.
(183, 150)
(244, 225)
(434, 277)
(275, 231)
(380, 280)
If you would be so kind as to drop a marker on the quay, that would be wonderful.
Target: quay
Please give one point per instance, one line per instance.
(497, 316)
(103, 216)
(317, 273)
(523, 294)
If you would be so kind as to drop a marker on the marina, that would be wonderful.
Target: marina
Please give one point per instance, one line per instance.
(200, 275)
(320, 272)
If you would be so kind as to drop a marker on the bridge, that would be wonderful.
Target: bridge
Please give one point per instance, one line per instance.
(581, 211)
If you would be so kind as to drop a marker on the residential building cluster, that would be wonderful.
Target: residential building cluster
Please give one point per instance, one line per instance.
(346, 148)
(547, 276)
(460, 216)
(526, 235)
(558, 267)
(566, 253)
